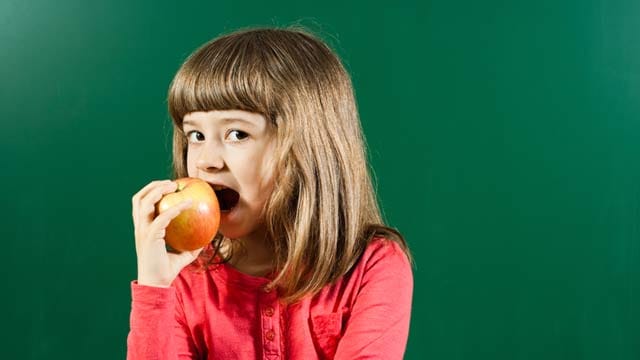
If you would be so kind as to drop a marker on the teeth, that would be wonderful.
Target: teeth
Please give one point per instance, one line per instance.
(218, 187)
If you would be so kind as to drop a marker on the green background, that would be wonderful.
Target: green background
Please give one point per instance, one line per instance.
(504, 137)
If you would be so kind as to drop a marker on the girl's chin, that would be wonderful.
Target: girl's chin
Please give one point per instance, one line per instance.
(229, 233)
(228, 215)
(226, 218)
(230, 224)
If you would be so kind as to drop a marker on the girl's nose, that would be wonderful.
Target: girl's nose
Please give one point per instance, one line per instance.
(210, 159)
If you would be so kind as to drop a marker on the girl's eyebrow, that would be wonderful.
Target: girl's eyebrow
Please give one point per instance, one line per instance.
(224, 121)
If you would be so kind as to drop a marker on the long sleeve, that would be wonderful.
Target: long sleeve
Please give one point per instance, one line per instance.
(378, 327)
(224, 313)
(158, 328)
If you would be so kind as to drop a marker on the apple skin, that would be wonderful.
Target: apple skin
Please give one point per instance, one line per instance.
(196, 226)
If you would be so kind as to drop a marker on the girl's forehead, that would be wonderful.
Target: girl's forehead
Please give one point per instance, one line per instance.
(224, 116)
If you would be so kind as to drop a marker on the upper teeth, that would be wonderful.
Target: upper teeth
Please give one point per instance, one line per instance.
(218, 187)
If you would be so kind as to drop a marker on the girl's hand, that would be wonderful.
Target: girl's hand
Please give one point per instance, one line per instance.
(156, 266)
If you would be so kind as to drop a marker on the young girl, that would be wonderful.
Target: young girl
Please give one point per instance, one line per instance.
(302, 266)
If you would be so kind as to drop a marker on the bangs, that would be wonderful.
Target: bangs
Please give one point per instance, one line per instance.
(226, 74)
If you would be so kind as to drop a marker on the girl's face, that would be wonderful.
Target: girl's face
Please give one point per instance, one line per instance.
(233, 148)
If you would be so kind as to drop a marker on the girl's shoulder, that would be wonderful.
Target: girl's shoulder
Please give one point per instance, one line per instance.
(381, 244)
(383, 253)
(383, 268)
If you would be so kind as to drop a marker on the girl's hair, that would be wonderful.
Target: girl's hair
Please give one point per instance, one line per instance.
(323, 211)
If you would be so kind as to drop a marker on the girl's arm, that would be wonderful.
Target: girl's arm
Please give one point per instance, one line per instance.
(378, 326)
(158, 327)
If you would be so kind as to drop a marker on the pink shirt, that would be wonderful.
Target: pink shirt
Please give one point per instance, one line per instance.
(225, 314)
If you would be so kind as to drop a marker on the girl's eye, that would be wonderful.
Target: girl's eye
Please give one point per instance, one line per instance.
(234, 135)
(198, 137)
(240, 135)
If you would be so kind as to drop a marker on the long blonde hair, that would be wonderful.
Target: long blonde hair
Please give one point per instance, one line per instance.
(323, 211)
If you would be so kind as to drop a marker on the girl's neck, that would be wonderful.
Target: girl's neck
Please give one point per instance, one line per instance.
(252, 255)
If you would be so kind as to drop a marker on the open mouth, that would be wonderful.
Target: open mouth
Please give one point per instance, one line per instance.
(227, 198)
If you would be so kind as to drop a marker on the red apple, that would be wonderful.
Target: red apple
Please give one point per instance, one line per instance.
(196, 226)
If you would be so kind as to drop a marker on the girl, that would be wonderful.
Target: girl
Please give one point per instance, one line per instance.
(302, 266)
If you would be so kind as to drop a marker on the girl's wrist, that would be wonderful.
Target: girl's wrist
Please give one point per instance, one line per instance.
(150, 282)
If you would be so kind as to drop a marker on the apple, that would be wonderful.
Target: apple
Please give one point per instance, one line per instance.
(196, 226)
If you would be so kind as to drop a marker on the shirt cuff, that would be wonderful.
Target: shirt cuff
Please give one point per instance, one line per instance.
(157, 297)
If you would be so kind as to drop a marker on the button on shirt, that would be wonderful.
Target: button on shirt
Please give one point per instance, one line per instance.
(222, 313)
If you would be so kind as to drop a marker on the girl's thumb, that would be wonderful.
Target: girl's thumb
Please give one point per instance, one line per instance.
(186, 257)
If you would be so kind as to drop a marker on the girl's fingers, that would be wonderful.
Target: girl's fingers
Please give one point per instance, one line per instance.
(185, 258)
(148, 203)
(160, 223)
(139, 199)
(156, 231)
(135, 199)
(150, 186)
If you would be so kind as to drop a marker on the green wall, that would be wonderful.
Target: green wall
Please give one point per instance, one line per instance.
(504, 137)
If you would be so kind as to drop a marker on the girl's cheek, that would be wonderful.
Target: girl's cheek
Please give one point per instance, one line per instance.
(191, 166)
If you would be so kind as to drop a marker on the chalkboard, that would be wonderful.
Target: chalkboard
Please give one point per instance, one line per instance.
(504, 137)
